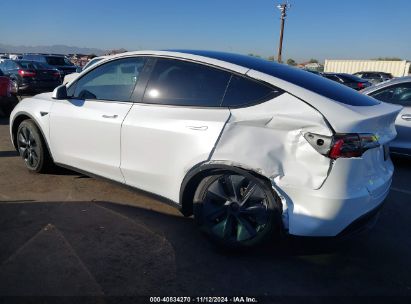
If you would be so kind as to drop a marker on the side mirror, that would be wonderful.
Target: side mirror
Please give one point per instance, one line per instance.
(60, 92)
(79, 69)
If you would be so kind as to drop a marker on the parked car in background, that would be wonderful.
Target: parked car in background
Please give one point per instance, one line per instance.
(60, 62)
(252, 148)
(70, 77)
(312, 71)
(8, 99)
(349, 80)
(397, 91)
(94, 61)
(374, 77)
(31, 76)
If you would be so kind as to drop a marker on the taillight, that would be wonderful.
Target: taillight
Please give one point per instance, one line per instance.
(360, 85)
(342, 145)
(24, 73)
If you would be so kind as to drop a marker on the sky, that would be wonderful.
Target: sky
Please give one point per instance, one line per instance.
(321, 29)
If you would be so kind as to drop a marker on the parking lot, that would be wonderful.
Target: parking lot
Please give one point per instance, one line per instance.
(67, 234)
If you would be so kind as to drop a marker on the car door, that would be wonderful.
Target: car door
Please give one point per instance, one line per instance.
(85, 128)
(399, 94)
(174, 126)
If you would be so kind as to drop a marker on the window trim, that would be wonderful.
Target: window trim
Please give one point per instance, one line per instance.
(142, 83)
(245, 76)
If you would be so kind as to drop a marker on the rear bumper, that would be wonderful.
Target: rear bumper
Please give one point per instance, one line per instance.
(340, 205)
(363, 223)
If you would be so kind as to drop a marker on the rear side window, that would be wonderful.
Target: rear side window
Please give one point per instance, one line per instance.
(58, 60)
(242, 91)
(399, 94)
(309, 81)
(176, 82)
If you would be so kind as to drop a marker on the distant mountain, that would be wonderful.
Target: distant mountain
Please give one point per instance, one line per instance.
(55, 49)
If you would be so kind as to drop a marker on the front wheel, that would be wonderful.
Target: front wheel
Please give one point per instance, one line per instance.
(31, 147)
(237, 210)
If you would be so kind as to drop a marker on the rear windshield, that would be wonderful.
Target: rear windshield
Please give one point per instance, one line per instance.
(57, 60)
(307, 80)
(33, 65)
(352, 78)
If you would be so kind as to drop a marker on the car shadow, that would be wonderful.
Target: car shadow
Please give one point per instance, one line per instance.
(8, 153)
(128, 250)
(3, 120)
(402, 161)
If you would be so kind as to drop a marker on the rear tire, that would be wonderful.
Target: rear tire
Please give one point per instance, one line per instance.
(237, 210)
(32, 147)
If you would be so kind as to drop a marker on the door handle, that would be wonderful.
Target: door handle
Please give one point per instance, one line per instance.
(197, 128)
(110, 116)
(406, 116)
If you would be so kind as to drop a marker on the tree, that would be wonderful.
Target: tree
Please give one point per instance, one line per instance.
(254, 55)
(313, 60)
(291, 61)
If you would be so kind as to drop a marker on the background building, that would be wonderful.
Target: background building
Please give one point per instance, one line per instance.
(397, 68)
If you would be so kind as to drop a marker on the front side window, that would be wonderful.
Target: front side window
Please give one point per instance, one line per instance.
(112, 81)
(176, 82)
(399, 94)
(243, 91)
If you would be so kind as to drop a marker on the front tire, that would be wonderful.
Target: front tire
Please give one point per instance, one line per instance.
(32, 148)
(237, 210)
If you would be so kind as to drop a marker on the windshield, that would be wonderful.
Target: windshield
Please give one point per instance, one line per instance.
(58, 60)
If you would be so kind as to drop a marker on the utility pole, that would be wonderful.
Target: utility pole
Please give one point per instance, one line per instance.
(283, 8)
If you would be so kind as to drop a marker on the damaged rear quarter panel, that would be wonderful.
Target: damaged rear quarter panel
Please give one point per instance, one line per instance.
(268, 137)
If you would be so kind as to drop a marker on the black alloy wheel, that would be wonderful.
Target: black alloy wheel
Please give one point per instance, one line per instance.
(31, 146)
(236, 210)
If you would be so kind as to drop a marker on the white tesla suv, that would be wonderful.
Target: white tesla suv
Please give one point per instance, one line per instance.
(250, 147)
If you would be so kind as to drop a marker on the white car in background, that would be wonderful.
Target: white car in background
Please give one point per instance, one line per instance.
(250, 147)
(70, 77)
(397, 91)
